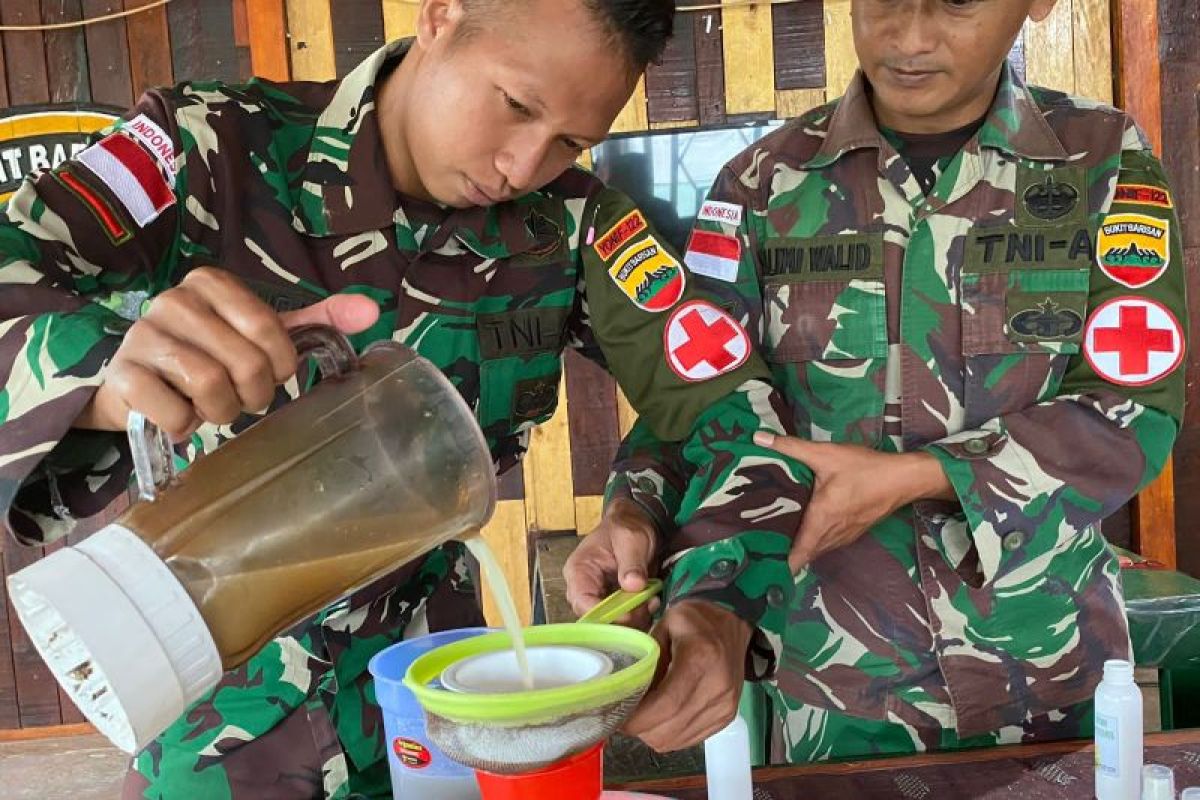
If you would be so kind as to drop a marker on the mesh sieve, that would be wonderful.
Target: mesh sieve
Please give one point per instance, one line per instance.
(526, 731)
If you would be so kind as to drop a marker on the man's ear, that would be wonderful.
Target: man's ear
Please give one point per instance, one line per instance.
(438, 19)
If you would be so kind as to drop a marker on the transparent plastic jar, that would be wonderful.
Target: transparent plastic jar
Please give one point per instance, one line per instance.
(379, 463)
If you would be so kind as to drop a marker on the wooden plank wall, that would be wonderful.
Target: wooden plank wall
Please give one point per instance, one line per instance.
(726, 65)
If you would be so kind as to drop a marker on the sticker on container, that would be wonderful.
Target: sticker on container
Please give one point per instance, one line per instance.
(412, 753)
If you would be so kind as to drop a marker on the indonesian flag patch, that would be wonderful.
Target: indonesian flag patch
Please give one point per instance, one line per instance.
(132, 174)
(713, 254)
(702, 341)
(1133, 341)
(1134, 249)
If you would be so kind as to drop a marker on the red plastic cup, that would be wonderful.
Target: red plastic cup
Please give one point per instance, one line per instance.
(580, 777)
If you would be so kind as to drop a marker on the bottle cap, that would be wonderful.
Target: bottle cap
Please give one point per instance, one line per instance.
(119, 632)
(1118, 671)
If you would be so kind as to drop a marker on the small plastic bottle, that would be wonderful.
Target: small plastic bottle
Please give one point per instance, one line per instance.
(1190, 793)
(727, 763)
(1118, 734)
(1158, 782)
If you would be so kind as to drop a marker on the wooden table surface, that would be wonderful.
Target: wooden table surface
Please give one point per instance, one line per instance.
(68, 762)
(1029, 772)
(73, 764)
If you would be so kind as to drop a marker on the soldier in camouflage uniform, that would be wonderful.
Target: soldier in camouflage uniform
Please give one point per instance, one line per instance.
(972, 293)
(422, 198)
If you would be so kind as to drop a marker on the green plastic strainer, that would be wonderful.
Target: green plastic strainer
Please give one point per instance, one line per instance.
(519, 732)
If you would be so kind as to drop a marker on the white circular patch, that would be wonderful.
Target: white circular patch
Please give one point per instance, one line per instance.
(702, 341)
(1133, 341)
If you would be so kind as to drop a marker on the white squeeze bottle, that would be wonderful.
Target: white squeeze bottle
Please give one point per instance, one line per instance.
(1118, 734)
(727, 763)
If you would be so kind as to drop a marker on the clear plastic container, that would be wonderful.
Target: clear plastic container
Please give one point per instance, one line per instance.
(378, 464)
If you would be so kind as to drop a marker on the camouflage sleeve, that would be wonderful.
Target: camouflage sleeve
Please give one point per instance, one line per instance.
(651, 473)
(79, 245)
(1061, 465)
(690, 368)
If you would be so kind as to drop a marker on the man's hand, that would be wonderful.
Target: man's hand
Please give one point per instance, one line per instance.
(854, 487)
(620, 552)
(208, 350)
(699, 679)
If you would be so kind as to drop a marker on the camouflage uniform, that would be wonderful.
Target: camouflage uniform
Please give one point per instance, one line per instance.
(1024, 324)
(285, 185)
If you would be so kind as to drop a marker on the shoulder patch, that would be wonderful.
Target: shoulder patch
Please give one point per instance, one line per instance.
(1133, 341)
(115, 228)
(717, 211)
(131, 174)
(649, 275)
(714, 255)
(1134, 249)
(1140, 194)
(156, 140)
(626, 228)
(702, 342)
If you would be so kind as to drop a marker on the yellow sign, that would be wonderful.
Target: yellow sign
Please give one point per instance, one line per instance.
(43, 137)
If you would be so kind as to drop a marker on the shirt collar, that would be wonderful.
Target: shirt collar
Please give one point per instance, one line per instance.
(1015, 124)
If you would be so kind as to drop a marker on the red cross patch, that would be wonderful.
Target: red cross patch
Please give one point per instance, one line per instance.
(702, 341)
(1133, 341)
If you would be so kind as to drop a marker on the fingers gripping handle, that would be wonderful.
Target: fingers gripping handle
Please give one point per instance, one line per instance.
(153, 455)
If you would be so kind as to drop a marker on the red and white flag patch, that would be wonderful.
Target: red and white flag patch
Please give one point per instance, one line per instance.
(132, 175)
(702, 341)
(1133, 341)
(714, 255)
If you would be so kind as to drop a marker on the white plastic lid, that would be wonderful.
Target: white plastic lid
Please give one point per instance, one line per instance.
(550, 666)
(119, 632)
(1158, 782)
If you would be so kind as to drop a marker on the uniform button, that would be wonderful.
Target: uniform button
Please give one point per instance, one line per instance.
(775, 597)
(1013, 540)
(975, 446)
(721, 569)
(646, 485)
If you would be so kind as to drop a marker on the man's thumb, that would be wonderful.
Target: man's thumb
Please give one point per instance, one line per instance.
(633, 549)
(349, 313)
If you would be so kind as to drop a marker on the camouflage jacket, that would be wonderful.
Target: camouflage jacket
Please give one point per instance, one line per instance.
(1024, 323)
(285, 185)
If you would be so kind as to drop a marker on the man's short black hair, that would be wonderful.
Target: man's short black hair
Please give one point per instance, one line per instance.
(640, 28)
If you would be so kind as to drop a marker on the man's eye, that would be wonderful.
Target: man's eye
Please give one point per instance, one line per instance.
(516, 105)
(573, 145)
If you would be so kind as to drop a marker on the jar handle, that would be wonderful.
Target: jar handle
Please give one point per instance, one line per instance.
(153, 455)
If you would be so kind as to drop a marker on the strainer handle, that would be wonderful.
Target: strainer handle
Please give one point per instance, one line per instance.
(620, 603)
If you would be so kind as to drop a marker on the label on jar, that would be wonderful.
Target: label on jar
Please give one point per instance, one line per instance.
(411, 753)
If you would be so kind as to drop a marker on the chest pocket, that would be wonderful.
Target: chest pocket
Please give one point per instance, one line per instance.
(520, 367)
(1025, 296)
(825, 331)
